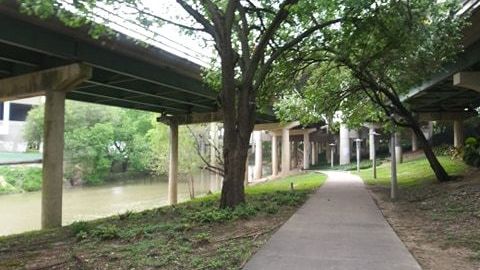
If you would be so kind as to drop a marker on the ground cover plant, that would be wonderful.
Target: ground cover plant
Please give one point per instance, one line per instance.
(192, 235)
(438, 222)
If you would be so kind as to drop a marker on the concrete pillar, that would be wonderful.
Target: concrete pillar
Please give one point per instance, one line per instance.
(173, 164)
(306, 151)
(312, 152)
(257, 136)
(393, 166)
(274, 155)
(245, 180)
(213, 156)
(398, 148)
(327, 152)
(295, 154)
(285, 151)
(52, 179)
(371, 143)
(344, 145)
(458, 133)
(414, 142)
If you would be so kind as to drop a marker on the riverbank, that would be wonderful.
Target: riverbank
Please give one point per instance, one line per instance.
(438, 222)
(191, 235)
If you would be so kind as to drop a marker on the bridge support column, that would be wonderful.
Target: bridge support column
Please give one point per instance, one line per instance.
(371, 143)
(313, 147)
(257, 135)
(173, 164)
(295, 154)
(52, 178)
(306, 151)
(398, 148)
(414, 142)
(458, 133)
(327, 152)
(274, 154)
(344, 145)
(285, 151)
(42, 83)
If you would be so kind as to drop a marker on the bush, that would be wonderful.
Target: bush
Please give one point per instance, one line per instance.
(22, 178)
(471, 153)
(106, 232)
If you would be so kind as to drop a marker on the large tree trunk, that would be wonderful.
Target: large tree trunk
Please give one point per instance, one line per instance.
(233, 192)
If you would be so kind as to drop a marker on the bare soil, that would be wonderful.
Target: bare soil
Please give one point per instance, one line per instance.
(439, 222)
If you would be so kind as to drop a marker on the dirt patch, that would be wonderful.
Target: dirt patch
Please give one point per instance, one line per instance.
(439, 223)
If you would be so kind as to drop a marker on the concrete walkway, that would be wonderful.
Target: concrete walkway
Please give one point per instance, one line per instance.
(339, 227)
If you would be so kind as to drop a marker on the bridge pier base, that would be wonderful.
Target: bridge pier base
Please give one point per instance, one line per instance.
(52, 179)
(458, 133)
(398, 148)
(173, 164)
(344, 146)
(274, 154)
(285, 151)
(257, 135)
(306, 151)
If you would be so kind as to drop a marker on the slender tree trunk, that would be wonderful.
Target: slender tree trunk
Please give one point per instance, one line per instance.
(437, 168)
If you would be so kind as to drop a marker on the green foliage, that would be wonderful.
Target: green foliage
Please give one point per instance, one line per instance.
(105, 232)
(471, 154)
(364, 164)
(100, 139)
(21, 179)
(378, 53)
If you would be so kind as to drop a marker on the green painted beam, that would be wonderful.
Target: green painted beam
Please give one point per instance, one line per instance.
(60, 45)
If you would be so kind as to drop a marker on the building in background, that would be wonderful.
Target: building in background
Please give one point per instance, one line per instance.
(12, 121)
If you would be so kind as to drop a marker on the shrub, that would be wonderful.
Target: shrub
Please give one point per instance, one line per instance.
(106, 232)
(22, 178)
(471, 153)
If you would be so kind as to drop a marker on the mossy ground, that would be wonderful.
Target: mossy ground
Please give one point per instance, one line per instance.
(192, 235)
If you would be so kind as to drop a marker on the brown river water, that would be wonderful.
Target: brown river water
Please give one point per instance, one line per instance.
(21, 212)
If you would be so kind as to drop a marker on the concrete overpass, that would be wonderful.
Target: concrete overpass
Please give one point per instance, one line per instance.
(453, 94)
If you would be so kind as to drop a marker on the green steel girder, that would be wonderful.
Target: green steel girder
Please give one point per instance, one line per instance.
(51, 43)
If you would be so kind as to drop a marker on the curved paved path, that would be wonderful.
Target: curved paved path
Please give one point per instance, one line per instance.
(339, 227)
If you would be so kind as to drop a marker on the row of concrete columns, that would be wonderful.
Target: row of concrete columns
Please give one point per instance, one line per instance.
(310, 151)
(345, 142)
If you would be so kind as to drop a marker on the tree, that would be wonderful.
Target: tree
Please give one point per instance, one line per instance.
(249, 36)
(366, 66)
(99, 138)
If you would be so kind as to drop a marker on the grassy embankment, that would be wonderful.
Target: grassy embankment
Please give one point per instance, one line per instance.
(412, 172)
(439, 222)
(191, 235)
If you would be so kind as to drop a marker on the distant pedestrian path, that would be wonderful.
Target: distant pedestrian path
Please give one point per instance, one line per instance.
(339, 227)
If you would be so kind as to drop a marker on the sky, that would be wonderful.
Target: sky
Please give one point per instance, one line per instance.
(167, 37)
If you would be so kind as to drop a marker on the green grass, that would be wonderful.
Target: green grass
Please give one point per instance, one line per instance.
(364, 164)
(412, 172)
(192, 235)
(300, 182)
